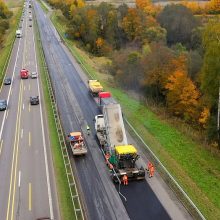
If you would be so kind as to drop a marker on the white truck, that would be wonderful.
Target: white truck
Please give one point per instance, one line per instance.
(18, 33)
(111, 134)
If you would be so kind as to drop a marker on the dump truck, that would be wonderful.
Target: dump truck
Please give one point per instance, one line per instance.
(111, 134)
(77, 143)
(95, 87)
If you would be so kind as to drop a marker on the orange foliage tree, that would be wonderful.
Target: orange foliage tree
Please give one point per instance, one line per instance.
(182, 95)
(146, 6)
(132, 24)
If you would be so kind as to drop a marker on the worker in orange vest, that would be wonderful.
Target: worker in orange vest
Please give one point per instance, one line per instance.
(110, 166)
(149, 165)
(107, 156)
(151, 171)
(125, 180)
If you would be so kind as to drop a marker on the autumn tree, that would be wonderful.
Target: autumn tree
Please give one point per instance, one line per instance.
(157, 65)
(146, 6)
(132, 24)
(182, 96)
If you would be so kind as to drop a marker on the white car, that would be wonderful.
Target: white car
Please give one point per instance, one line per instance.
(34, 75)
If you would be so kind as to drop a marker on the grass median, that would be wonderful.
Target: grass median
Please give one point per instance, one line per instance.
(9, 37)
(195, 168)
(64, 197)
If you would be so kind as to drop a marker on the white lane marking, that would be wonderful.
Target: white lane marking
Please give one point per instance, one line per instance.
(23, 106)
(24, 88)
(7, 114)
(11, 91)
(29, 86)
(22, 131)
(1, 146)
(8, 98)
(19, 179)
(44, 142)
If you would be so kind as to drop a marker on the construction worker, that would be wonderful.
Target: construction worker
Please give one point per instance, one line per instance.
(107, 156)
(149, 165)
(110, 166)
(151, 171)
(88, 129)
(125, 180)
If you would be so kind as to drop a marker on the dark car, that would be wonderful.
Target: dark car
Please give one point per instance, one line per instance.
(30, 25)
(3, 105)
(34, 100)
(7, 81)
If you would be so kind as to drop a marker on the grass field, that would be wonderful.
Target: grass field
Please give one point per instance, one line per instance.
(195, 168)
(65, 202)
(16, 7)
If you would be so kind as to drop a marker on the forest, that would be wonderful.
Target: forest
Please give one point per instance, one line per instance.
(170, 55)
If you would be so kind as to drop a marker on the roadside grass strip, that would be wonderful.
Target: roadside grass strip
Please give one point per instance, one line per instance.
(196, 169)
(69, 202)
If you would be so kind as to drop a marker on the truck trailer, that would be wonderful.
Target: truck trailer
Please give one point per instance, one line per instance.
(111, 134)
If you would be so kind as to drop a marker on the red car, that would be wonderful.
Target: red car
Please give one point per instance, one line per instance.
(24, 74)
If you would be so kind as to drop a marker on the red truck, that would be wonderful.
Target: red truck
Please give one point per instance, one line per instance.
(24, 74)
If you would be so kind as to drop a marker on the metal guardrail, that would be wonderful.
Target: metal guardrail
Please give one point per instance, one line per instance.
(79, 215)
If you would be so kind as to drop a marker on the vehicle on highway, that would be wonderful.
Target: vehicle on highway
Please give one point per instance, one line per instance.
(34, 100)
(3, 105)
(24, 74)
(95, 87)
(30, 18)
(29, 5)
(34, 75)
(119, 154)
(18, 33)
(77, 143)
(30, 25)
(7, 81)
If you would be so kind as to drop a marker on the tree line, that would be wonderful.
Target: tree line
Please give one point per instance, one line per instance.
(5, 14)
(166, 54)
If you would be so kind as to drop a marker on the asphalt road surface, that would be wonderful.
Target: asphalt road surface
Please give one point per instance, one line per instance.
(77, 109)
(27, 186)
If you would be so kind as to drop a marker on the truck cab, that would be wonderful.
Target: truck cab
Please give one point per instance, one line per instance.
(24, 74)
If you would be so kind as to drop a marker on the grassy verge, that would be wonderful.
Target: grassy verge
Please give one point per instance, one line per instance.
(9, 37)
(196, 169)
(65, 202)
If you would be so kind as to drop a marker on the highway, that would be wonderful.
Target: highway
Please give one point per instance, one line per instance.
(27, 186)
(150, 199)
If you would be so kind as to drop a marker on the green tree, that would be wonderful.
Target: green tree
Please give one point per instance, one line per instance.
(210, 76)
(179, 23)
